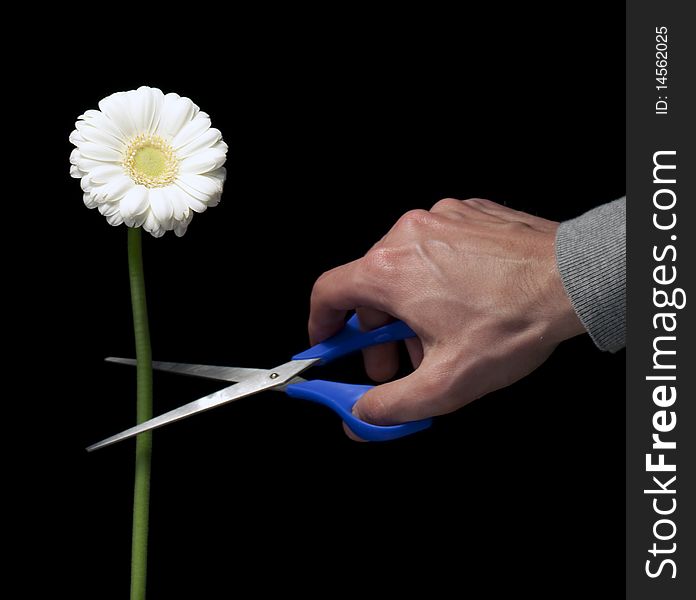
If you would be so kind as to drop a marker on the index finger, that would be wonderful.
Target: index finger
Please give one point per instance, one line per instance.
(336, 292)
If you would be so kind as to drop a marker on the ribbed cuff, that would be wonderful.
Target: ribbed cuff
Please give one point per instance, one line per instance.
(591, 257)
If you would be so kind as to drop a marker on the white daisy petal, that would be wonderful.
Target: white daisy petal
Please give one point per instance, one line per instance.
(100, 152)
(141, 104)
(176, 112)
(115, 219)
(158, 101)
(101, 121)
(98, 198)
(192, 199)
(89, 200)
(104, 172)
(75, 172)
(88, 114)
(222, 146)
(180, 228)
(76, 138)
(139, 108)
(161, 206)
(219, 174)
(179, 201)
(191, 131)
(119, 186)
(108, 209)
(136, 220)
(202, 162)
(152, 225)
(116, 108)
(205, 140)
(134, 203)
(86, 184)
(200, 196)
(75, 156)
(99, 136)
(115, 189)
(87, 164)
(206, 186)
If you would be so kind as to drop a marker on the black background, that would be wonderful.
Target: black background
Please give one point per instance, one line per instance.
(334, 132)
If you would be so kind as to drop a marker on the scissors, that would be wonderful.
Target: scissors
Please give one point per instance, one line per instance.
(340, 397)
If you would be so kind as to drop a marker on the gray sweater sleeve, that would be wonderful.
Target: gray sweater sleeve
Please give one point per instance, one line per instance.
(591, 257)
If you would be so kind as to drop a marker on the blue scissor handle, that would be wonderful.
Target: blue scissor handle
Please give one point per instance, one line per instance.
(351, 338)
(340, 397)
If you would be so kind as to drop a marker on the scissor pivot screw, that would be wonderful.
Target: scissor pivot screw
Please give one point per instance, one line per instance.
(273, 375)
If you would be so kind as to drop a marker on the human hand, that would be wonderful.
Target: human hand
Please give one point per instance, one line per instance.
(476, 281)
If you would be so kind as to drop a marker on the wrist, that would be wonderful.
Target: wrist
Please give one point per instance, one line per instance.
(562, 320)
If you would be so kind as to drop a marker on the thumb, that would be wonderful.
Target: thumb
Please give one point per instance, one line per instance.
(411, 398)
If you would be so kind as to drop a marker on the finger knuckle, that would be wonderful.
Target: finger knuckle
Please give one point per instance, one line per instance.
(414, 219)
(447, 204)
(320, 285)
(380, 261)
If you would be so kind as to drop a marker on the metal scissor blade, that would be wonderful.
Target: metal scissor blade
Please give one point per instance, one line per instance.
(252, 385)
(231, 374)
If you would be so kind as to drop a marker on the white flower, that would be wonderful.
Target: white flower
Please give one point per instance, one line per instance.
(148, 159)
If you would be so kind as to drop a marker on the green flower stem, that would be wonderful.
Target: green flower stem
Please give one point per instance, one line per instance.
(143, 449)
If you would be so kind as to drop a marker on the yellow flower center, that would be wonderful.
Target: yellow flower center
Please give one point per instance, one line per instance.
(150, 161)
